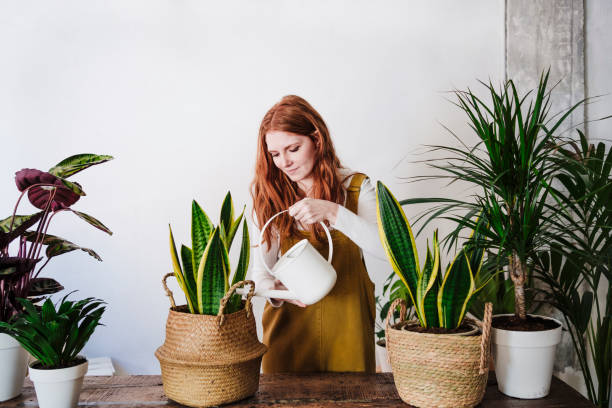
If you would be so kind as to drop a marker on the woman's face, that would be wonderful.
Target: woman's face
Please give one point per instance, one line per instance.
(293, 154)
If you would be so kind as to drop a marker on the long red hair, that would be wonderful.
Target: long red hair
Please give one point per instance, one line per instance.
(272, 190)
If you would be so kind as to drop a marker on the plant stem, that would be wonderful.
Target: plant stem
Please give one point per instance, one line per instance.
(517, 274)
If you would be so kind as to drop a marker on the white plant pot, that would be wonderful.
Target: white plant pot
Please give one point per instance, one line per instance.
(58, 388)
(524, 360)
(13, 367)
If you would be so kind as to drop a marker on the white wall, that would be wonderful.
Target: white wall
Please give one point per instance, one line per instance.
(175, 91)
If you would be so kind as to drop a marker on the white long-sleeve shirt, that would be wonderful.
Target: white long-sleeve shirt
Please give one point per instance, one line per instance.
(361, 228)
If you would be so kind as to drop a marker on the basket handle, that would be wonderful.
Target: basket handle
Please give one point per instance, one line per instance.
(168, 291)
(228, 295)
(403, 310)
(485, 344)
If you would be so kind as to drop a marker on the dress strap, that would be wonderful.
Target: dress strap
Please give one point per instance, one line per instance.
(353, 191)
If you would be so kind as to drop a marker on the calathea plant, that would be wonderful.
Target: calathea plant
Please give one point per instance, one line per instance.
(204, 275)
(438, 300)
(51, 193)
(55, 335)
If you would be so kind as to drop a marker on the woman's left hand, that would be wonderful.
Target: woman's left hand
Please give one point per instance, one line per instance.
(312, 210)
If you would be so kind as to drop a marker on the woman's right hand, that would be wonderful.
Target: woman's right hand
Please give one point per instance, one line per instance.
(278, 285)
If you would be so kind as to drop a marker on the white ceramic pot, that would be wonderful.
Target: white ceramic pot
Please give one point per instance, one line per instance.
(382, 359)
(14, 365)
(524, 360)
(58, 388)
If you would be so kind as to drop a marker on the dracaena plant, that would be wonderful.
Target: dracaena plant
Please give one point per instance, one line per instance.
(205, 271)
(510, 169)
(52, 193)
(439, 300)
(55, 335)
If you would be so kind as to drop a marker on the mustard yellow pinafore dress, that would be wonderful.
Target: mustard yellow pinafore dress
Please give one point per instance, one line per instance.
(337, 333)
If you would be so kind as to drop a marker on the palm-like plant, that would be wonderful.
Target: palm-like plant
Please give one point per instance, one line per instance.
(439, 300)
(204, 275)
(511, 167)
(573, 275)
(55, 335)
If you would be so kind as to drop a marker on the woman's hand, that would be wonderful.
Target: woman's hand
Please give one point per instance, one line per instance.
(312, 210)
(278, 285)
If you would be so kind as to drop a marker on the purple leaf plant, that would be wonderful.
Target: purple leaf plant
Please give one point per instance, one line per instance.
(51, 193)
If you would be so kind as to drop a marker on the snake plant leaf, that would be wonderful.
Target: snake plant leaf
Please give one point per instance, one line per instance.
(212, 275)
(455, 292)
(178, 272)
(20, 224)
(234, 228)
(73, 164)
(429, 284)
(398, 240)
(245, 253)
(189, 272)
(92, 221)
(227, 213)
(201, 228)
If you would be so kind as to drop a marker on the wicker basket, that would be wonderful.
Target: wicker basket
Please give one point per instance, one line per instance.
(210, 360)
(438, 370)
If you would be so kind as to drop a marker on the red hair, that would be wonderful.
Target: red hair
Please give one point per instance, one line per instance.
(272, 190)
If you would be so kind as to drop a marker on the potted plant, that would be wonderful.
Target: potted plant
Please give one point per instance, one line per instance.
(211, 354)
(577, 278)
(55, 335)
(440, 359)
(511, 170)
(51, 193)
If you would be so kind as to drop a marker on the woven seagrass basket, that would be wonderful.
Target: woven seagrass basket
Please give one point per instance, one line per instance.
(210, 360)
(438, 370)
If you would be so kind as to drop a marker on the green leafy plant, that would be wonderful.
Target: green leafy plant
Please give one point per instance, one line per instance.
(511, 168)
(439, 300)
(53, 194)
(55, 335)
(574, 276)
(204, 275)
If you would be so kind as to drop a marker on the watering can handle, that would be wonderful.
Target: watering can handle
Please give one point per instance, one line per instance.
(261, 235)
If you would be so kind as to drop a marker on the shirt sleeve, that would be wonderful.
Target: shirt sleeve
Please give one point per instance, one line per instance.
(362, 228)
(258, 273)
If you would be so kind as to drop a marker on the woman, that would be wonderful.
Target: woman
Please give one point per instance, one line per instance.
(297, 169)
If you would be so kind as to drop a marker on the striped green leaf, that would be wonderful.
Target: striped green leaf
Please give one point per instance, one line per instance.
(429, 284)
(398, 240)
(227, 213)
(455, 292)
(178, 272)
(212, 275)
(234, 228)
(76, 163)
(201, 228)
(189, 273)
(245, 253)
(92, 221)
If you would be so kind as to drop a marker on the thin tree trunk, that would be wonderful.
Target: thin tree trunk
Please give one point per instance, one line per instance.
(517, 274)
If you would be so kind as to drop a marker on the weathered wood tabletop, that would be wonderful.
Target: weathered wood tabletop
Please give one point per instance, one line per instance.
(291, 390)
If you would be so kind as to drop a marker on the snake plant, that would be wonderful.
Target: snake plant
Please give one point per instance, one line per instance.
(204, 275)
(439, 300)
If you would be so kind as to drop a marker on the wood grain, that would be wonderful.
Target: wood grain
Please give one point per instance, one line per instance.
(292, 390)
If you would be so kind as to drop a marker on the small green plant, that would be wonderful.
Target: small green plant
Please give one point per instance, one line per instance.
(439, 301)
(55, 335)
(204, 275)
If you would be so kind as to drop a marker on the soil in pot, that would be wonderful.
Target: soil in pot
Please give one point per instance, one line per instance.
(532, 323)
(38, 365)
(464, 328)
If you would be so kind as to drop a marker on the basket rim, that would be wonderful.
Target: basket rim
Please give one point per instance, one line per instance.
(472, 322)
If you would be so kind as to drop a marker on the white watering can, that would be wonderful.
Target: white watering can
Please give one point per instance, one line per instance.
(304, 272)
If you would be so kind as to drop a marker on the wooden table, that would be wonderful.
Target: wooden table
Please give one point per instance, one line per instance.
(292, 390)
